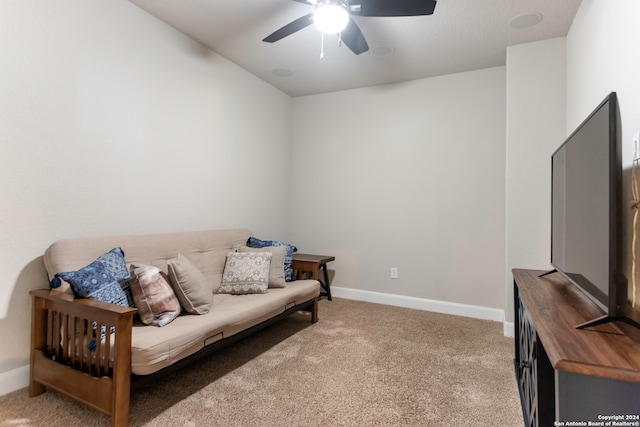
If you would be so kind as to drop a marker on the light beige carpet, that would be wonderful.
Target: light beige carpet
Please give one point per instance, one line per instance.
(362, 364)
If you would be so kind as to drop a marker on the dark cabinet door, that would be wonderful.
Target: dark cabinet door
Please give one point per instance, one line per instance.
(534, 372)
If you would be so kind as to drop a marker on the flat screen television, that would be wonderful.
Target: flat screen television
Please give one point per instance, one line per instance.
(586, 212)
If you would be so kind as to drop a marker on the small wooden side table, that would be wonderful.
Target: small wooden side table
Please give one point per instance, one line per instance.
(308, 266)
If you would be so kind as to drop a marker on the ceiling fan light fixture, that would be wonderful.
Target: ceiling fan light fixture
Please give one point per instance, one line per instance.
(331, 16)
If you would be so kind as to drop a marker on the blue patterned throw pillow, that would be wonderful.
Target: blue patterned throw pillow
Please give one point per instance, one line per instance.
(114, 262)
(252, 242)
(99, 280)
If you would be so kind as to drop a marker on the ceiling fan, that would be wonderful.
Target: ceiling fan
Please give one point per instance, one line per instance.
(335, 16)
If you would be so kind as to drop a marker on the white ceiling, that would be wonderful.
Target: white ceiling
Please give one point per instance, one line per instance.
(461, 35)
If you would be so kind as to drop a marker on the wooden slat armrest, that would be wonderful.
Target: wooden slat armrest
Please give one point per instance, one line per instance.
(100, 376)
(84, 307)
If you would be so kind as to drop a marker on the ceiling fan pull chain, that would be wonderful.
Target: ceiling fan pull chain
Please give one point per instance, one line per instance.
(321, 45)
(340, 39)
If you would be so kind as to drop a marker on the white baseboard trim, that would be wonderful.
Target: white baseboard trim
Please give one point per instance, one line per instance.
(444, 307)
(509, 329)
(14, 380)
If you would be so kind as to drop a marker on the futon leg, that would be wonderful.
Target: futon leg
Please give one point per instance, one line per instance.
(35, 388)
(314, 311)
(120, 415)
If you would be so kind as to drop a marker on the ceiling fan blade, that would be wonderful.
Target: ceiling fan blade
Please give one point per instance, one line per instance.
(353, 38)
(290, 28)
(392, 7)
(305, 2)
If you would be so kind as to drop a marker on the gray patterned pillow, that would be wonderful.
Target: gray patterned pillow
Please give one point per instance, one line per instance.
(276, 271)
(253, 242)
(246, 273)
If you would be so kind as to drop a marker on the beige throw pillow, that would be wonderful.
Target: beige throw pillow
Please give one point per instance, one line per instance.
(276, 270)
(190, 286)
(156, 302)
(246, 273)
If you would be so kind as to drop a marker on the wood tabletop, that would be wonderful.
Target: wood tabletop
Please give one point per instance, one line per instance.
(322, 259)
(556, 307)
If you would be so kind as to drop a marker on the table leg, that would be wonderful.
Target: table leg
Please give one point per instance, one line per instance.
(326, 285)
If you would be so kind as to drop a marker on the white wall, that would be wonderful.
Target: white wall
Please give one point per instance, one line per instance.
(408, 175)
(112, 122)
(536, 102)
(603, 56)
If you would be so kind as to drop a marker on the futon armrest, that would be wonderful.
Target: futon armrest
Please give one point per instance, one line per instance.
(56, 317)
(81, 307)
(82, 348)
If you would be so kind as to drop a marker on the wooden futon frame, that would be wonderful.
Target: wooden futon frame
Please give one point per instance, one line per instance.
(62, 331)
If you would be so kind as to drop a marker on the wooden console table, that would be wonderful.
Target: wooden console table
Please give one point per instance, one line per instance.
(308, 266)
(566, 374)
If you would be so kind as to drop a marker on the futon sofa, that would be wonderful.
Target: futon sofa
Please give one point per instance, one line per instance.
(91, 350)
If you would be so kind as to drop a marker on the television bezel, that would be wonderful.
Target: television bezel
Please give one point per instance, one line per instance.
(615, 302)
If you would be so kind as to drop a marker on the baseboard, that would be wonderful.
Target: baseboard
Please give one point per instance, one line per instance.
(14, 380)
(509, 329)
(456, 309)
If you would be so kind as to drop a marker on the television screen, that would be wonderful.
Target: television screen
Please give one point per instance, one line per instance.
(586, 192)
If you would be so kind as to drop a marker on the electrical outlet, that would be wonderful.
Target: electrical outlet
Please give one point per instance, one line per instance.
(394, 272)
